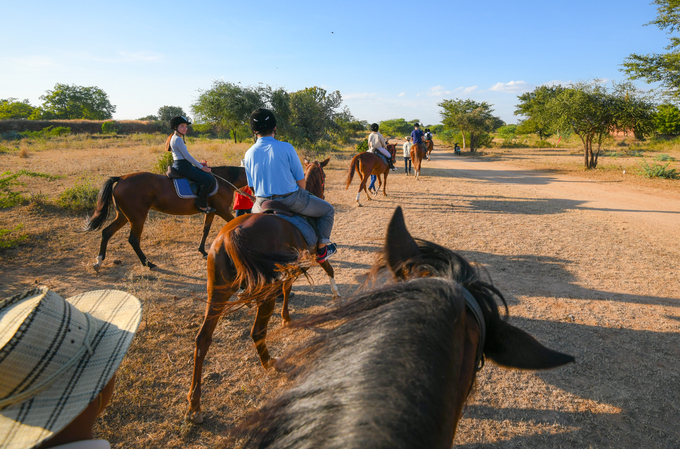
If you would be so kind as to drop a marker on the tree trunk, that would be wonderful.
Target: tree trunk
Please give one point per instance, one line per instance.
(472, 142)
(462, 133)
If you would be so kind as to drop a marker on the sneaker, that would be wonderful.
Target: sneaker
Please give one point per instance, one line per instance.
(329, 250)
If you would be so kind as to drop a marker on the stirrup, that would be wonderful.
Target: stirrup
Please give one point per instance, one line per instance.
(208, 210)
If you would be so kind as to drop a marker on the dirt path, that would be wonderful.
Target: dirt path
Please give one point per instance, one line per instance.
(589, 268)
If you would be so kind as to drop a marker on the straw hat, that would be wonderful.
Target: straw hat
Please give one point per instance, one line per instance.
(56, 356)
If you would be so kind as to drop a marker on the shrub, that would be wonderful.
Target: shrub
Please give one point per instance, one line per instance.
(9, 181)
(542, 144)
(512, 143)
(10, 238)
(507, 131)
(664, 157)
(362, 146)
(163, 162)
(658, 171)
(10, 135)
(79, 198)
(60, 131)
(110, 127)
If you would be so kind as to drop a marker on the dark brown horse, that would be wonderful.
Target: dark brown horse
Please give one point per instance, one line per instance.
(367, 164)
(134, 194)
(250, 252)
(418, 153)
(396, 364)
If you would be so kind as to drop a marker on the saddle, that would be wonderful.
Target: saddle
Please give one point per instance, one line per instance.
(276, 208)
(184, 187)
(306, 225)
(378, 153)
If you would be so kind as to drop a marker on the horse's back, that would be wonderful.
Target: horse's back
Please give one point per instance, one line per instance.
(264, 232)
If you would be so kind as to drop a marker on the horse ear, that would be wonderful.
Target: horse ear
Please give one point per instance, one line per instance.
(509, 346)
(326, 161)
(400, 247)
(306, 162)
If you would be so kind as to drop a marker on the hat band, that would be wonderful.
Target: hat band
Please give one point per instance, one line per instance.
(49, 380)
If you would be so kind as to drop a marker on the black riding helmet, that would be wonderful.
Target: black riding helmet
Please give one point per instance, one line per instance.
(262, 121)
(375, 127)
(176, 121)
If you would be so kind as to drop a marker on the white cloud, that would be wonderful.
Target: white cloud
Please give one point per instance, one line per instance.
(467, 90)
(513, 87)
(438, 91)
(401, 94)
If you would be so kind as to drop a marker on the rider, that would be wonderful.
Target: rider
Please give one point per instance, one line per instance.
(417, 137)
(376, 142)
(456, 148)
(274, 171)
(187, 166)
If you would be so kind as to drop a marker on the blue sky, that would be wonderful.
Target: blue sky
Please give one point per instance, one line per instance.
(393, 59)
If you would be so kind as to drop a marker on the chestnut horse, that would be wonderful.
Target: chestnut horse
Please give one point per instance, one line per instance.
(367, 164)
(260, 252)
(430, 146)
(418, 153)
(136, 193)
(396, 365)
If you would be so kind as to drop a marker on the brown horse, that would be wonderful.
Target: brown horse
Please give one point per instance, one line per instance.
(136, 193)
(394, 366)
(370, 164)
(430, 146)
(251, 251)
(418, 153)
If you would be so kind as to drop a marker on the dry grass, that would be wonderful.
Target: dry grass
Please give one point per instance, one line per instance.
(584, 281)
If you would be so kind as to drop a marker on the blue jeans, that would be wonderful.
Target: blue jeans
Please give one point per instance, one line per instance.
(372, 185)
(407, 165)
(304, 203)
(239, 212)
(204, 180)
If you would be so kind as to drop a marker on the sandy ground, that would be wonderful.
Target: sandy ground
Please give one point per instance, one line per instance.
(588, 267)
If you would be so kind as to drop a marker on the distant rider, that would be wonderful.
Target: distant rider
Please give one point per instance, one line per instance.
(187, 166)
(274, 171)
(377, 142)
(417, 137)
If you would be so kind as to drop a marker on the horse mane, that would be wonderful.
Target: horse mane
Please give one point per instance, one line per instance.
(346, 385)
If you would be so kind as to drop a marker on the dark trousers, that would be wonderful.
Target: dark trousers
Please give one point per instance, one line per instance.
(407, 165)
(240, 212)
(205, 181)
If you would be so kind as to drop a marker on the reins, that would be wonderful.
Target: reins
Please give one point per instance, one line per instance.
(246, 194)
(473, 306)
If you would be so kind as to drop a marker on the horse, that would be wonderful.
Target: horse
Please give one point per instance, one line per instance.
(396, 365)
(418, 153)
(262, 253)
(367, 164)
(430, 147)
(134, 194)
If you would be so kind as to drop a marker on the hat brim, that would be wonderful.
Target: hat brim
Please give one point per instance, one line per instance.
(31, 422)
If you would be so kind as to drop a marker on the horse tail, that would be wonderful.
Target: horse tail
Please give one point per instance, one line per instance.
(352, 169)
(104, 202)
(261, 273)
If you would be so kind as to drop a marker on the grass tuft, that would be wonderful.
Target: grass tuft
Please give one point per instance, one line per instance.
(80, 198)
(10, 238)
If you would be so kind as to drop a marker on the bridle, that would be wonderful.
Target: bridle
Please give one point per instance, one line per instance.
(473, 306)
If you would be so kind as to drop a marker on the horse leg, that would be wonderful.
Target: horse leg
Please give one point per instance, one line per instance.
(107, 233)
(259, 331)
(134, 239)
(213, 311)
(331, 275)
(385, 185)
(284, 311)
(206, 230)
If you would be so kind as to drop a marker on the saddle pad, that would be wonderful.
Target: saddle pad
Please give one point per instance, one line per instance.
(382, 156)
(308, 232)
(184, 190)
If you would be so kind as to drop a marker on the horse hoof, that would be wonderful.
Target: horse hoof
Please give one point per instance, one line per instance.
(96, 267)
(195, 417)
(151, 266)
(271, 363)
(205, 256)
(359, 204)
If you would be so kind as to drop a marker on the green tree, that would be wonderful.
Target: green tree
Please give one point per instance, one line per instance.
(592, 112)
(397, 127)
(165, 113)
(313, 112)
(667, 119)
(228, 106)
(12, 108)
(660, 68)
(71, 102)
(532, 105)
(470, 117)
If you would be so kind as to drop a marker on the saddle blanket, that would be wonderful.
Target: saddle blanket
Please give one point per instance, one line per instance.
(308, 231)
(187, 189)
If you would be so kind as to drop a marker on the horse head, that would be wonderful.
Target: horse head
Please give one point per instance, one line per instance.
(315, 177)
(408, 258)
